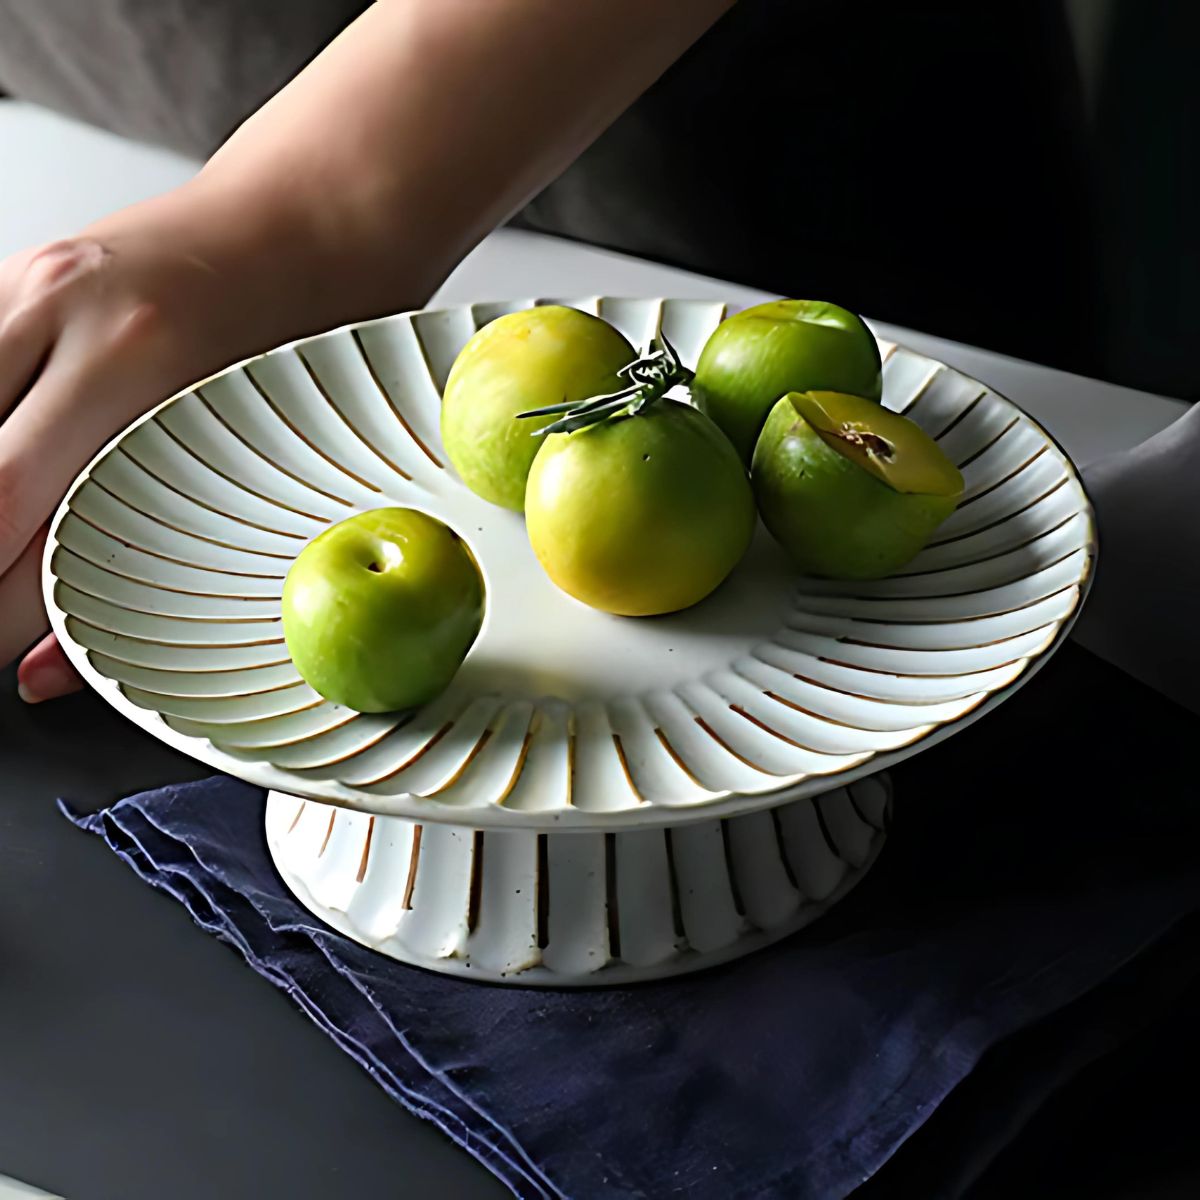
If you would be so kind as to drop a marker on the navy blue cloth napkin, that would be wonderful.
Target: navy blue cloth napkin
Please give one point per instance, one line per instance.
(1033, 857)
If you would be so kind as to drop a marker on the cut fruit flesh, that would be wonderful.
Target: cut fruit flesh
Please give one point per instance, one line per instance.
(892, 448)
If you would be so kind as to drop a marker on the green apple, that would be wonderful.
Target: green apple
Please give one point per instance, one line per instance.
(380, 610)
(764, 352)
(521, 361)
(640, 515)
(849, 488)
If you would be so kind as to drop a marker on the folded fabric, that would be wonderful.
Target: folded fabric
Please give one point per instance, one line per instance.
(1031, 858)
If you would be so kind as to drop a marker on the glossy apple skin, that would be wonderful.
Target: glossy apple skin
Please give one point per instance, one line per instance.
(764, 352)
(642, 514)
(518, 362)
(380, 610)
(834, 517)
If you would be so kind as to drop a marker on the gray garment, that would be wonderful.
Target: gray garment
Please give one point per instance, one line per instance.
(179, 73)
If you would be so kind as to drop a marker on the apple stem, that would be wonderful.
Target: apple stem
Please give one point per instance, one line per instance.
(650, 377)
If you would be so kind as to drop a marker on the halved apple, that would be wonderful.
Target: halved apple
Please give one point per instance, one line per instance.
(849, 488)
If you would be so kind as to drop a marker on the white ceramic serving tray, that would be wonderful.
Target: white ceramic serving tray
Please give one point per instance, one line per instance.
(165, 565)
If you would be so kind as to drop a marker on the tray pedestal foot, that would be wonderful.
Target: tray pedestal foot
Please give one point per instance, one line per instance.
(577, 909)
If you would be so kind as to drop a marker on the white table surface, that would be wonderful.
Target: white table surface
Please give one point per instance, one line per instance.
(12, 1189)
(58, 175)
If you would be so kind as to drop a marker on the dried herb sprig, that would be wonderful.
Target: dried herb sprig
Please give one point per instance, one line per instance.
(650, 377)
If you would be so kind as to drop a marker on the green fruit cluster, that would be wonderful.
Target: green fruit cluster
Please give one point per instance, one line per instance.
(849, 489)
(636, 503)
(642, 512)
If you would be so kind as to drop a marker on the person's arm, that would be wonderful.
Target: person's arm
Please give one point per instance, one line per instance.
(352, 193)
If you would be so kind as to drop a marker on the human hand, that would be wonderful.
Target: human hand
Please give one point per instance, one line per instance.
(95, 330)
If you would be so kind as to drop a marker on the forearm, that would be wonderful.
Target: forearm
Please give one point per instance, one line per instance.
(418, 130)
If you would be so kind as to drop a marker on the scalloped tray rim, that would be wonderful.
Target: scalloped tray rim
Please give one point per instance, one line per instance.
(725, 804)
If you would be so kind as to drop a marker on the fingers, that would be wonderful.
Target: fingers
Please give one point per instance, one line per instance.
(76, 404)
(31, 285)
(62, 336)
(26, 332)
(22, 614)
(45, 673)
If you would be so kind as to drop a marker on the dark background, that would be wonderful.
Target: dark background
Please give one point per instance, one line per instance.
(1017, 174)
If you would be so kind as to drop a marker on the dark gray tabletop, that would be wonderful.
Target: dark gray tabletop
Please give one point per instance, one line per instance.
(139, 1057)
